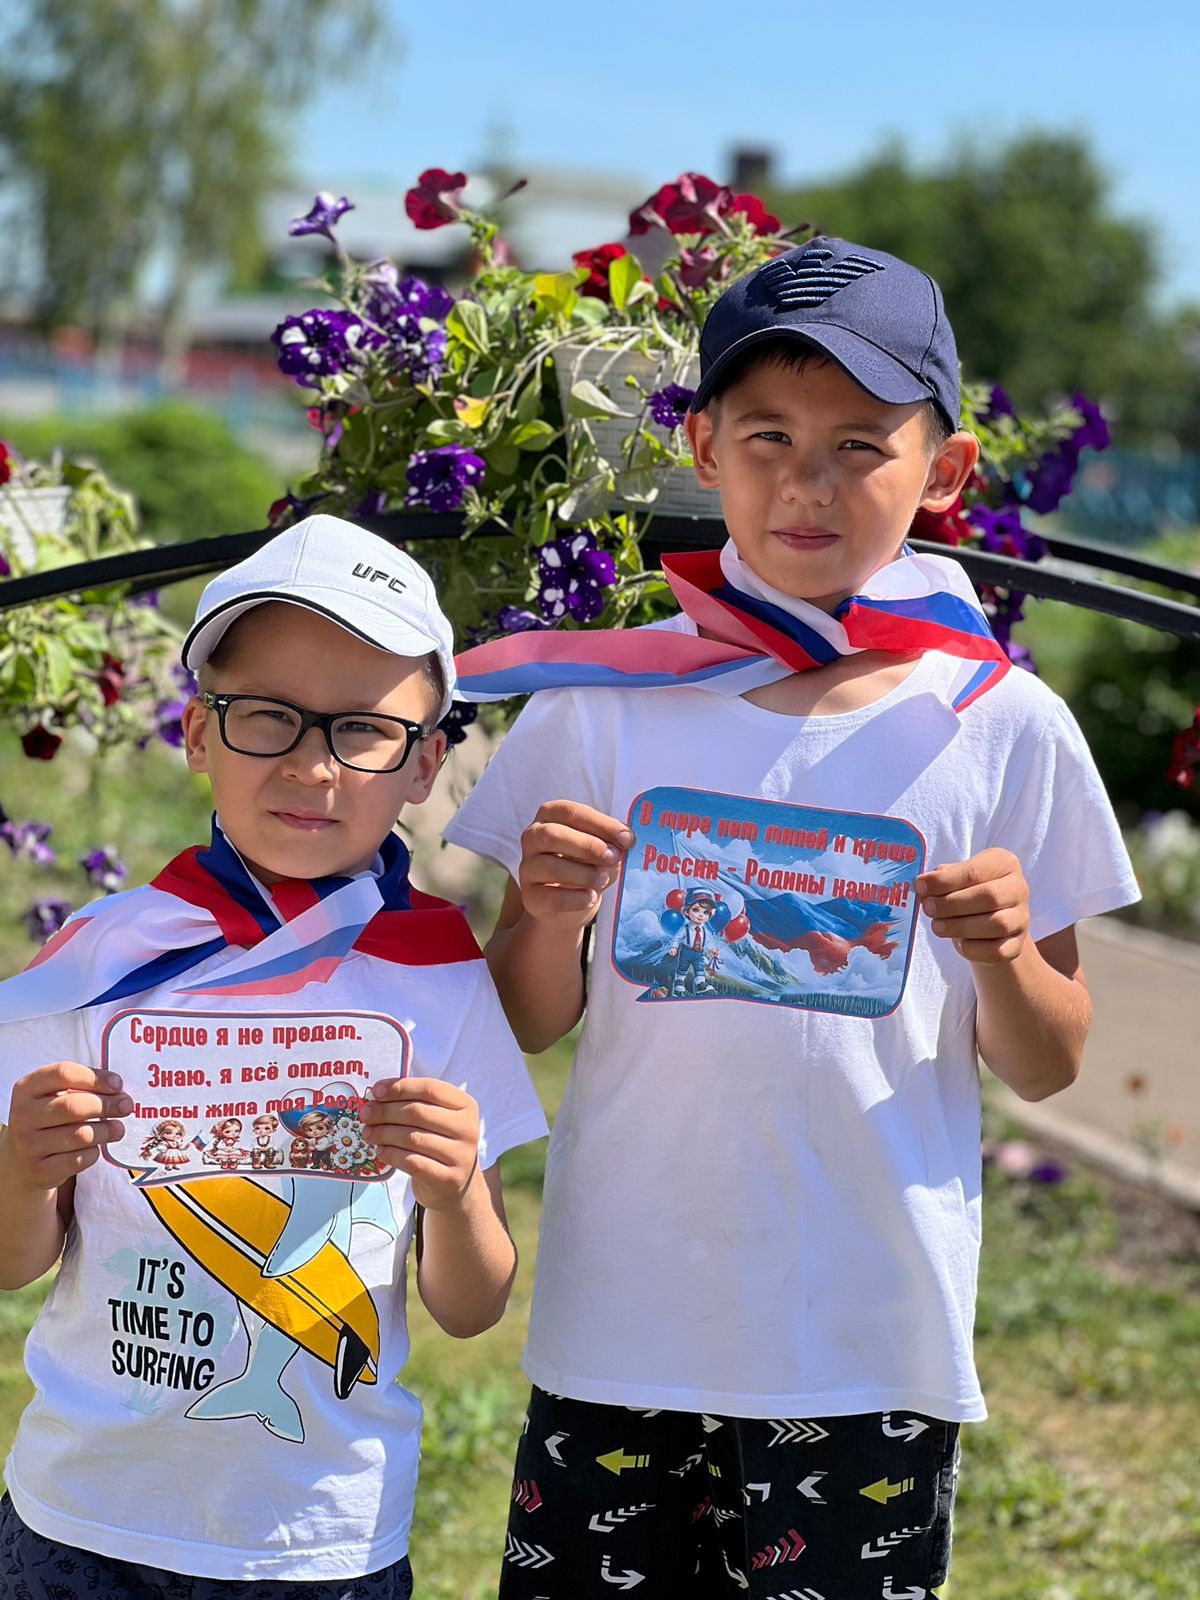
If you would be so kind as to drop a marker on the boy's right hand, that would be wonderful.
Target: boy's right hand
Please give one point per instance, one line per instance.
(570, 853)
(59, 1118)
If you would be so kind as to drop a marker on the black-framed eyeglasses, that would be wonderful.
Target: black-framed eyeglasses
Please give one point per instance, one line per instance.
(365, 741)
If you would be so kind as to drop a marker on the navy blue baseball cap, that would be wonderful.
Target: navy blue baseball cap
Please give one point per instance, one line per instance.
(880, 319)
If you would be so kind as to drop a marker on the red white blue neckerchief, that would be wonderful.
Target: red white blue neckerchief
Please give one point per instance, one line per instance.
(756, 634)
(206, 901)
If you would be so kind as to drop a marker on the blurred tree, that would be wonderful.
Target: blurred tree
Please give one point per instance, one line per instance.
(138, 127)
(1049, 290)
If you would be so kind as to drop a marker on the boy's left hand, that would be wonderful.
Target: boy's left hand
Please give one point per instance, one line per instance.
(429, 1129)
(981, 905)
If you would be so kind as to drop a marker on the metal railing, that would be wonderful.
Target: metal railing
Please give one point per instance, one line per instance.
(1057, 579)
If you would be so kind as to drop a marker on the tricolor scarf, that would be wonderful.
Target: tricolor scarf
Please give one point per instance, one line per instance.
(206, 901)
(755, 634)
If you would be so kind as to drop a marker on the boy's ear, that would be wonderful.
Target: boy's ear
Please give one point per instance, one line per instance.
(428, 755)
(949, 470)
(698, 425)
(196, 730)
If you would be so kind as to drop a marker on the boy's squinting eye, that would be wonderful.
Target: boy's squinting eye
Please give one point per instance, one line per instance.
(860, 444)
(772, 436)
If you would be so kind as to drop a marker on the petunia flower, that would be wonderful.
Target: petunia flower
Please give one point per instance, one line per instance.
(999, 405)
(440, 478)
(669, 406)
(27, 840)
(945, 527)
(390, 296)
(574, 575)
(317, 344)
(1185, 756)
(111, 679)
(457, 720)
(1003, 535)
(5, 462)
(323, 216)
(697, 267)
(433, 201)
(752, 208)
(692, 204)
(516, 619)
(104, 868)
(597, 262)
(45, 917)
(1051, 478)
(39, 744)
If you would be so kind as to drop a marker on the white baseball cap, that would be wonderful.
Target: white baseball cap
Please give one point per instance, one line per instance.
(342, 572)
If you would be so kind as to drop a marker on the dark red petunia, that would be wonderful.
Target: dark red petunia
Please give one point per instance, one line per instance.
(5, 463)
(1185, 757)
(691, 204)
(433, 202)
(944, 527)
(597, 262)
(39, 744)
(111, 680)
(749, 205)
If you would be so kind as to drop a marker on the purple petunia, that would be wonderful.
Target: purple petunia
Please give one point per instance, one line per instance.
(323, 216)
(1003, 535)
(999, 405)
(574, 574)
(392, 296)
(669, 406)
(104, 868)
(419, 350)
(45, 917)
(457, 720)
(28, 840)
(317, 344)
(1092, 433)
(440, 478)
(516, 619)
(1051, 478)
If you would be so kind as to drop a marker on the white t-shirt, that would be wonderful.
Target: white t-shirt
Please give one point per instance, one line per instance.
(168, 1301)
(763, 1186)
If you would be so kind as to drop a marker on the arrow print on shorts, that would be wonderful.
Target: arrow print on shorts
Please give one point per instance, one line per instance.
(883, 1491)
(886, 1542)
(915, 1593)
(739, 1578)
(628, 1579)
(720, 1516)
(795, 1430)
(526, 1494)
(692, 1461)
(606, 1521)
(764, 1491)
(788, 1547)
(709, 1424)
(618, 1462)
(526, 1555)
(552, 1444)
(909, 1430)
(809, 1487)
(797, 1594)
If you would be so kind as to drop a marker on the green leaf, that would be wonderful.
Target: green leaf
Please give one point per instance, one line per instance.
(623, 274)
(555, 291)
(639, 484)
(589, 310)
(529, 401)
(503, 458)
(587, 400)
(60, 667)
(468, 322)
(588, 499)
(447, 431)
(534, 435)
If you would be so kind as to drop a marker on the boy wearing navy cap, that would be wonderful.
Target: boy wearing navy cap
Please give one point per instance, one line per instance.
(750, 1340)
(217, 1409)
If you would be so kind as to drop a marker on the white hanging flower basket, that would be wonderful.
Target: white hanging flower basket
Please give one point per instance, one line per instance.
(27, 515)
(609, 369)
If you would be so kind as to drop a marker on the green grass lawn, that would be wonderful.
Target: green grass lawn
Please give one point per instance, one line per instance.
(1083, 1486)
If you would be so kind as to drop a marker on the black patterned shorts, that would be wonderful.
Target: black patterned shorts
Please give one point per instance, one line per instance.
(33, 1568)
(676, 1506)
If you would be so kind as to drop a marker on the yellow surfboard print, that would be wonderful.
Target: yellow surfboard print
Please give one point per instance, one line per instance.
(229, 1226)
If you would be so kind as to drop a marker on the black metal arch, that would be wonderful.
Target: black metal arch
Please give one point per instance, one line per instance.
(161, 565)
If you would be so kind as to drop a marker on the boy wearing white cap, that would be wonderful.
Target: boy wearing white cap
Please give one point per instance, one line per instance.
(215, 1367)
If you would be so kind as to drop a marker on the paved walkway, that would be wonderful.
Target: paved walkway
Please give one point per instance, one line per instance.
(1136, 1105)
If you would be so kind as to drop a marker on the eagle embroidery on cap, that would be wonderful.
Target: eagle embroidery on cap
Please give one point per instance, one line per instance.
(810, 280)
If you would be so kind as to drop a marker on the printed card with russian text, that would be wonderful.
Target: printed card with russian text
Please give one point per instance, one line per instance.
(729, 897)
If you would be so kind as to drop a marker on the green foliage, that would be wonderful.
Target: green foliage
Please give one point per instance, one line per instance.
(184, 466)
(1048, 288)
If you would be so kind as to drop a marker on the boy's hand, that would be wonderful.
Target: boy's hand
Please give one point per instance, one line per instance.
(59, 1118)
(981, 905)
(429, 1129)
(570, 853)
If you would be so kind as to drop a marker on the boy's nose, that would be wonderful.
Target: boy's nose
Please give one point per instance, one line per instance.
(807, 482)
(312, 760)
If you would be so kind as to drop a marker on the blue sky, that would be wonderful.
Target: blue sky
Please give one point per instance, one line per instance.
(631, 87)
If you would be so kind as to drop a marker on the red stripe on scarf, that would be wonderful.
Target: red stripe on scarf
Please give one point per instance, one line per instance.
(187, 879)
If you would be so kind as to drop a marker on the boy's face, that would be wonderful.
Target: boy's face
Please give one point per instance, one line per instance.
(700, 913)
(302, 815)
(820, 481)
